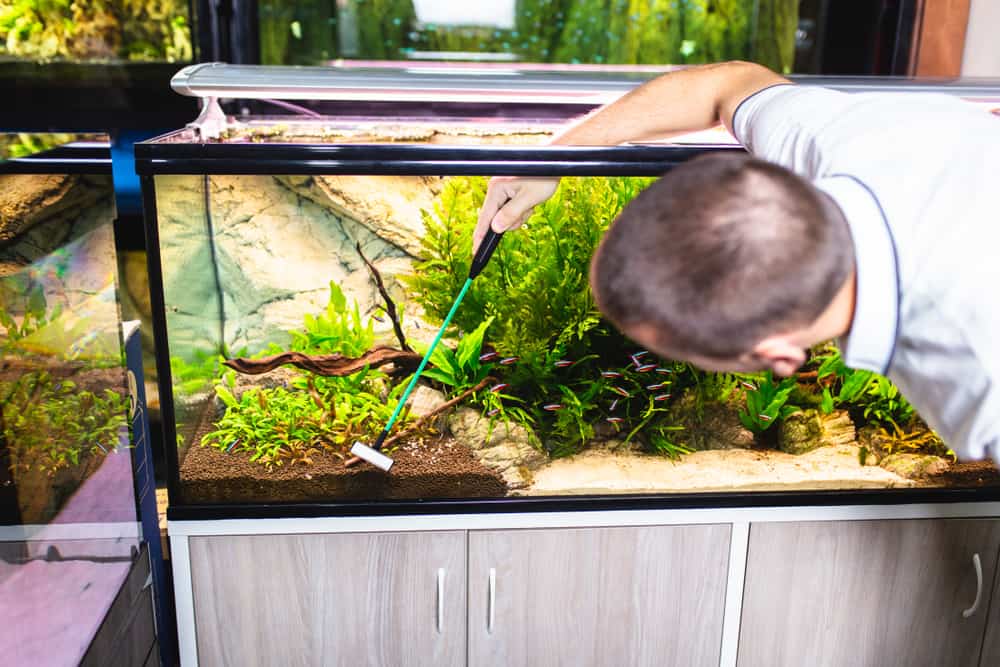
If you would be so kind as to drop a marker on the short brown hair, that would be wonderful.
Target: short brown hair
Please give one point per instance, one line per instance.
(720, 253)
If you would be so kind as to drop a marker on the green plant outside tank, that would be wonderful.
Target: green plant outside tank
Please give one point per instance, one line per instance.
(100, 30)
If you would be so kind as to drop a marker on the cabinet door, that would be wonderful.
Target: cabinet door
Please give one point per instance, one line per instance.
(991, 643)
(866, 593)
(599, 596)
(346, 599)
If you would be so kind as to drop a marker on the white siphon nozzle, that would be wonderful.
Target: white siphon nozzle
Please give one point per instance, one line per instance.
(375, 457)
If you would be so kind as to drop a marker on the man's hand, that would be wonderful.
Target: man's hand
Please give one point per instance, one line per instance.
(687, 100)
(509, 201)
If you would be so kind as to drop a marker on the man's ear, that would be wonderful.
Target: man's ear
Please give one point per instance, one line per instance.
(779, 354)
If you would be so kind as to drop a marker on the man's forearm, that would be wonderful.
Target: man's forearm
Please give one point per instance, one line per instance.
(687, 100)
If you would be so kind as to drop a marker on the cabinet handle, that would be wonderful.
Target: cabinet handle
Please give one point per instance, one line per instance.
(491, 601)
(440, 600)
(978, 567)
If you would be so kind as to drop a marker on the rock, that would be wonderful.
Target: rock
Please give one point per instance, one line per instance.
(718, 428)
(275, 251)
(508, 449)
(389, 206)
(800, 432)
(424, 400)
(838, 428)
(806, 430)
(28, 199)
(914, 466)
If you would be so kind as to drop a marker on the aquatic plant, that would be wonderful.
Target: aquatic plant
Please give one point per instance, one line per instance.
(49, 425)
(278, 426)
(194, 377)
(338, 329)
(95, 30)
(33, 314)
(461, 368)
(766, 401)
(22, 144)
(314, 413)
(871, 394)
(550, 261)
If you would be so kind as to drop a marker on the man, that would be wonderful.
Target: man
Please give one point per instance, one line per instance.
(868, 217)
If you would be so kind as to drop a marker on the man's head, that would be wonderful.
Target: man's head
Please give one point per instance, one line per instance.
(727, 262)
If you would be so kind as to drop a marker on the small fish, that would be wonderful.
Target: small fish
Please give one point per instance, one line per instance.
(662, 397)
(378, 319)
(664, 371)
(763, 417)
(231, 445)
(493, 413)
(498, 387)
(488, 356)
(614, 420)
(645, 368)
(610, 374)
(563, 363)
(640, 354)
(102, 447)
(748, 385)
(552, 407)
(508, 361)
(614, 404)
(620, 392)
(658, 385)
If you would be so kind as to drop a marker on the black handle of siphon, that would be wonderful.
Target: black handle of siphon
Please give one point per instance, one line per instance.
(486, 248)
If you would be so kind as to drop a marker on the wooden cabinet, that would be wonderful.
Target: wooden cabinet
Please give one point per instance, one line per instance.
(597, 596)
(991, 640)
(867, 593)
(340, 599)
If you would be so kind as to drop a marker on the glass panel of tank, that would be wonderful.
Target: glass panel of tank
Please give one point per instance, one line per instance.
(63, 387)
(68, 522)
(297, 307)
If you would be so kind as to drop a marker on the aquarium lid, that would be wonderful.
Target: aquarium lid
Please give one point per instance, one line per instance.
(501, 83)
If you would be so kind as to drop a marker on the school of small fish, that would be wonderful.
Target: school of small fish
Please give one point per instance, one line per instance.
(636, 361)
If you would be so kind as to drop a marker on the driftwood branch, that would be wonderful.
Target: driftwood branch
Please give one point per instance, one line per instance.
(447, 405)
(390, 305)
(326, 364)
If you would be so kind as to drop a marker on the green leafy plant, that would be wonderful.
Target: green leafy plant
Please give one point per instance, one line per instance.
(461, 368)
(765, 401)
(279, 426)
(552, 260)
(49, 425)
(338, 329)
(95, 30)
(191, 378)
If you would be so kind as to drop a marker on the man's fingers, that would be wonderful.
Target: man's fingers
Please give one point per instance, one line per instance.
(496, 197)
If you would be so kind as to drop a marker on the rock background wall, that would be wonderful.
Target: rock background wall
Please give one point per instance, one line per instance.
(41, 212)
(279, 241)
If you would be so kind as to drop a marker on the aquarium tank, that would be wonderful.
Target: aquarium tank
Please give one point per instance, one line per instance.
(69, 530)
(300, 267)
(558, 32)
(95, 31)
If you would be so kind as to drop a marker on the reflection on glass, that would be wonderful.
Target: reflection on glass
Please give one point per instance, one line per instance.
(593, 32)
(63, 392)
(104, 30)
(68, 531)
(22, 144)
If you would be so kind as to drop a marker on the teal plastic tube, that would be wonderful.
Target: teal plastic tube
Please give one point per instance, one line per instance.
(430, 351)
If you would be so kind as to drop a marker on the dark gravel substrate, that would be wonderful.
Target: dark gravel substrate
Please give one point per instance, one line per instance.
(439, 468)
(965, 475)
